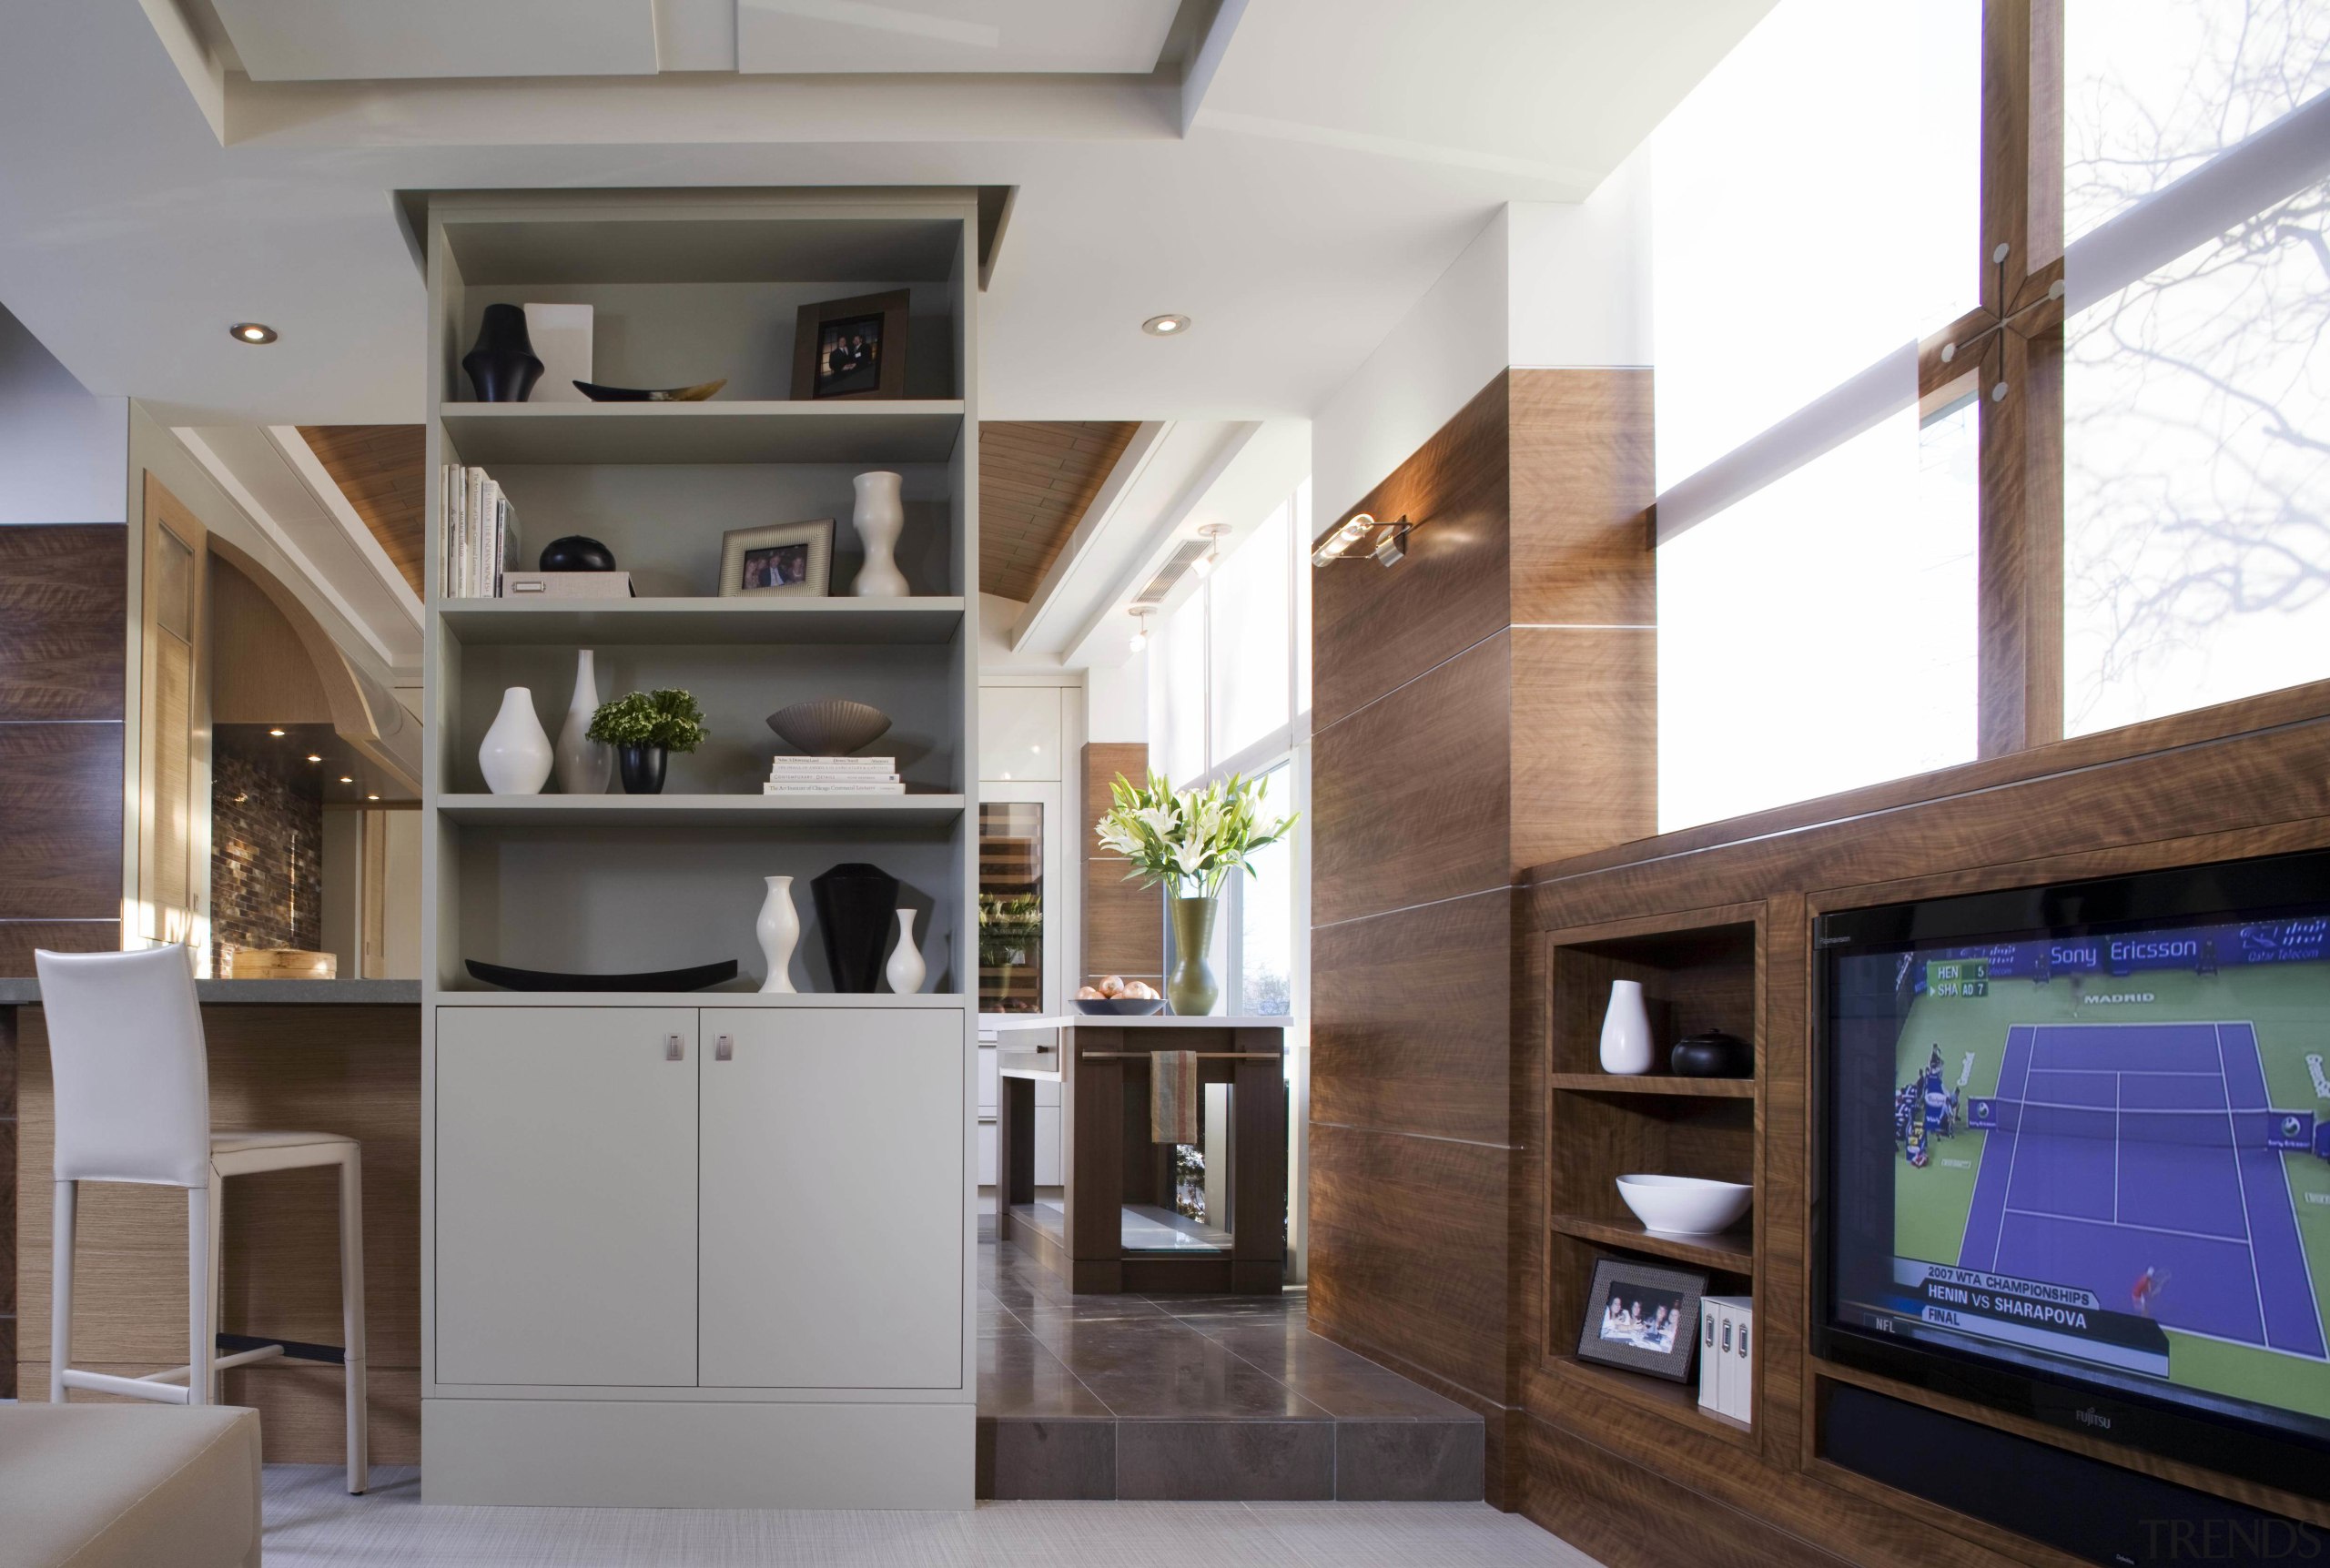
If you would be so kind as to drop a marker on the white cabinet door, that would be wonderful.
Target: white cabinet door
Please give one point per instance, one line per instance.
(990, 1081)
(1019, 733)
(1048, 1147)
(988, 1145)
(834, 1213)
(566, 1196)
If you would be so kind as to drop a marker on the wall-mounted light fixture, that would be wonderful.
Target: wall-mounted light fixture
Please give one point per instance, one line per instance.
(1385, 542)
(1140, 638)
(1211, 533)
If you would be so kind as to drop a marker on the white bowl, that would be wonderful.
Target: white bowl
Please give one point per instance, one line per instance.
(1684, 1204)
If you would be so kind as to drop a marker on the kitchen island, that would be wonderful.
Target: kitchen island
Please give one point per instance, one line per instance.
(1134, 1215)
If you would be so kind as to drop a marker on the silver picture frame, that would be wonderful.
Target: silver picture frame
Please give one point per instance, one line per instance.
(758, 562)
(1641, 1317)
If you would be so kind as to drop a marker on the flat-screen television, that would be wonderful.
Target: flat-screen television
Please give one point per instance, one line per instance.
(2073, 1157)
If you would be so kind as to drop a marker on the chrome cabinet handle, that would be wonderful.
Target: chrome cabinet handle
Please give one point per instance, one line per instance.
(674, 1049)
(725, 1051)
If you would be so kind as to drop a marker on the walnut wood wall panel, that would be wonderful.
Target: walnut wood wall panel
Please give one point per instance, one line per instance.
(1482, 703)
(2187, 791)
(353, 1070)
(1037, 479)
(379, 468)
(1124, 923)
(63, 648)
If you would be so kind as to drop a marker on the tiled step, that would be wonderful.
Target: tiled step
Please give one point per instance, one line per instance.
(1229, 1458)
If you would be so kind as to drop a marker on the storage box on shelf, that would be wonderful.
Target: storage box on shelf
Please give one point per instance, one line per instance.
(749, 1280)
(1700, 970)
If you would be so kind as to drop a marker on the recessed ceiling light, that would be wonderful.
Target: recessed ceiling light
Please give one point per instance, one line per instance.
(372, 797)
(251, 332)
(313, 757)
(345, 779)
(1165, 326)
(276, 733)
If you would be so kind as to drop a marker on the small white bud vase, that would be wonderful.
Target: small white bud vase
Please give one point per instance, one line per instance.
(583, 766)
(1626, 1030)
(881, 514)
(779, 930)
(905, 967)
(515, 757)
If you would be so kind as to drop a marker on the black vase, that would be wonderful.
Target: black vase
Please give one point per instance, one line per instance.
(576, 553)
(642, 768)
(1712, 1055)
(857, 907)
(502, 367)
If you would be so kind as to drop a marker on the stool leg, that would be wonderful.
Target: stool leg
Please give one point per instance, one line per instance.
(60, 1290)
(202, 1336)
(351, 1309)
(217, 1268)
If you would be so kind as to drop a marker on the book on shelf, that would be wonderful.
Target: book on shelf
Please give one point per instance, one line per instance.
(834, 765)
(890, 787)
(828, 775)
(477, 535)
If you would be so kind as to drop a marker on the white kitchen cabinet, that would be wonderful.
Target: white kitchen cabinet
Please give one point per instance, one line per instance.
(990, 1081)
(832, 1244)
(988, 1147)
(1048, 1147)
(1020, 732)
(568, 1137)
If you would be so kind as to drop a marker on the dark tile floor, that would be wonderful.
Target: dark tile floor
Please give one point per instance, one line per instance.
(1183, 1398)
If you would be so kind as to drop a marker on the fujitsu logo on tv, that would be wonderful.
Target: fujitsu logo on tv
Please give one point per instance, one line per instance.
(2092, 1417)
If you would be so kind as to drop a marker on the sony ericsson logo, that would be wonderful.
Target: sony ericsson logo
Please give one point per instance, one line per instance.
(2092, 1417)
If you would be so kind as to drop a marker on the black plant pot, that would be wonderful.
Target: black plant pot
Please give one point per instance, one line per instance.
(503, 366)
(1712, 1055)
(576, 552)
(857, 907)
(642, 768)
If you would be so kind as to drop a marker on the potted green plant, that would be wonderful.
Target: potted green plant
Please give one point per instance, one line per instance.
(645, 728)
(1189, 840)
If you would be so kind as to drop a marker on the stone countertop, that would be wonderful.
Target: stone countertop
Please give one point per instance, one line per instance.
(24, 991)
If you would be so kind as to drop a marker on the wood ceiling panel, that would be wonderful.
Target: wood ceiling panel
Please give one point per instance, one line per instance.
(1037, 478)
(379, 468)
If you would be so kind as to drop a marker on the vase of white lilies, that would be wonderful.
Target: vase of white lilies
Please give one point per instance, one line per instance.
(1189, 841)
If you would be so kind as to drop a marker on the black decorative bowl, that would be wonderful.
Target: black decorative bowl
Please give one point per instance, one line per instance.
(1712, 1053)
(575, 552)
(1121, 1007)
(700, 977)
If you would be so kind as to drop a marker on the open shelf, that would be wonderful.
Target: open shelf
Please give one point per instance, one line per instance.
(767, 622)
(698, 810)
(1652, 1084)
(1679, 1402)
(1733, 1250)
(469, 994)
(870, 432)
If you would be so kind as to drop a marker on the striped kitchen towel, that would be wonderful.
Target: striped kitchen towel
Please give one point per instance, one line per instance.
(1176, 1112)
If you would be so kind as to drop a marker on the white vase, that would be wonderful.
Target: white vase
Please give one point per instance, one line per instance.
(583, 766)
(906, 970)
(1626, 1030)
(879, 516)
(778, 928)
(515, 757)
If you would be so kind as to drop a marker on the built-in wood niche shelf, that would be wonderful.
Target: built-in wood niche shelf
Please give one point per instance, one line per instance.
(1700, 969)
(931, 622)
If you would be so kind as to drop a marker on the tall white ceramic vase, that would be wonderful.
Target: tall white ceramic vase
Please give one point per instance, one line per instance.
(779, 929)
(905, 967)
(515, 757)
(582, 765)
(1626, 1030)
(879, 517)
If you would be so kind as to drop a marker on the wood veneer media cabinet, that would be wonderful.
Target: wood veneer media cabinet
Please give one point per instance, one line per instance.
(711, 1250)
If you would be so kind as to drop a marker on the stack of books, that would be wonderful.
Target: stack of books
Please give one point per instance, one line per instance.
(477, 535)
(833, 775)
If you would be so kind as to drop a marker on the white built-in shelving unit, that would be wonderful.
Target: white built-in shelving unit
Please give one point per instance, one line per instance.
(711, 1248)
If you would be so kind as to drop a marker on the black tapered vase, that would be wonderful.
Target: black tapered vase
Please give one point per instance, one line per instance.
(503, 366)
(642, 768)
(857, 907)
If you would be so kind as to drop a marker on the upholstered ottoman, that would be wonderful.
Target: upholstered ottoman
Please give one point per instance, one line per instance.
(128, 1486)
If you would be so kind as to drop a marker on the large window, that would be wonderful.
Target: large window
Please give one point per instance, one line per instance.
(1230, 678)
(1934, 485)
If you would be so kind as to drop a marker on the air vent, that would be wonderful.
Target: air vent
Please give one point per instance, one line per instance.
(1176, 567)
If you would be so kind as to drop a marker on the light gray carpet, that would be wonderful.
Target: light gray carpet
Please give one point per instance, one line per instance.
(311, 1523)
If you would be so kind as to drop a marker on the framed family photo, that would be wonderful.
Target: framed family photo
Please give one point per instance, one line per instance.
(1641, 1317)
(786, 558)
(854, 348)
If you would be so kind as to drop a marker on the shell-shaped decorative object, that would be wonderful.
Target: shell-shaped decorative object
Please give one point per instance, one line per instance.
(829, 727)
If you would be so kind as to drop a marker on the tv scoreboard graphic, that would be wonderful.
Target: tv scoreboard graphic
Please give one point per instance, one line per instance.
(1956, 972)
(2060, 1320)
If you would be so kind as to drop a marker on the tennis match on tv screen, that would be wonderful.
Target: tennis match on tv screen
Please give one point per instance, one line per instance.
(2107, 1154)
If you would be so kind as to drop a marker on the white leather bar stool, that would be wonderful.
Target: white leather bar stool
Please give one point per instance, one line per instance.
(133, 1104)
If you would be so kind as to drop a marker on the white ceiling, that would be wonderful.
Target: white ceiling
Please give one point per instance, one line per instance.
(824, 35)
(323, 40)
(1294, 202)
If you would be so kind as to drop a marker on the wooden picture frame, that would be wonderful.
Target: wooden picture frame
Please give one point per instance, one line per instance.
(871, 328)
(759, 562)
(1642, 1317)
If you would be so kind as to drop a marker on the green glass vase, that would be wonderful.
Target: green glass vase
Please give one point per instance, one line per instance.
(1192, 989)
